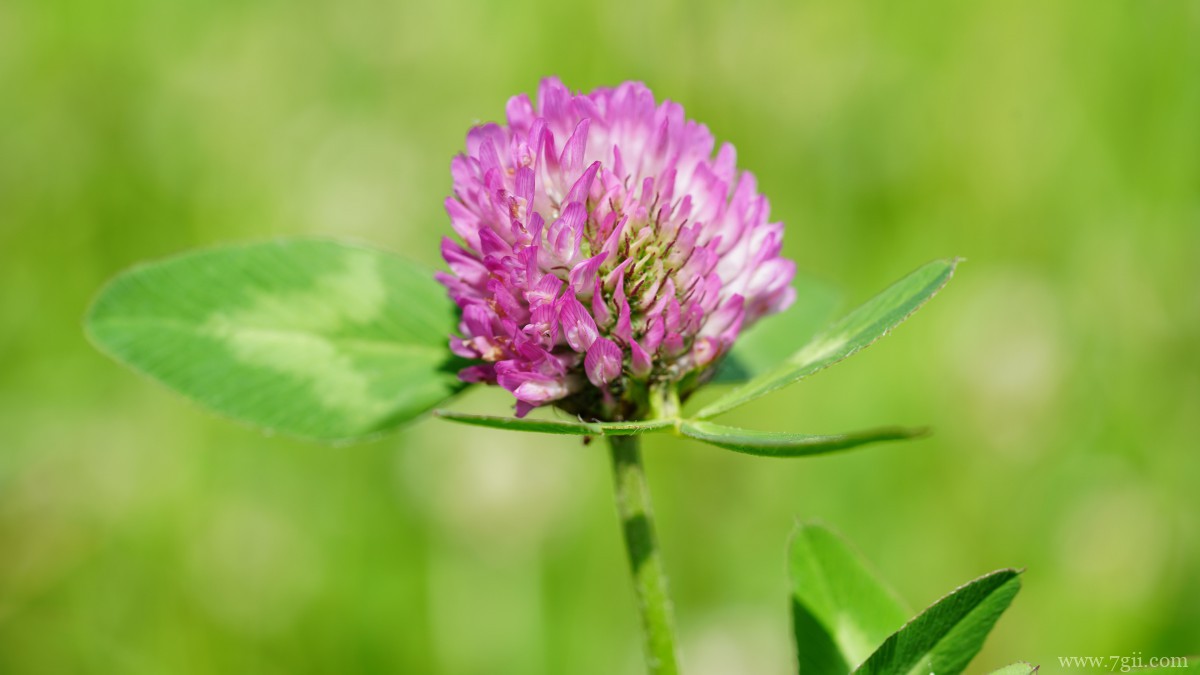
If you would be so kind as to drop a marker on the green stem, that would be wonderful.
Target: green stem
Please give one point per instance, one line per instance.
(649, 578)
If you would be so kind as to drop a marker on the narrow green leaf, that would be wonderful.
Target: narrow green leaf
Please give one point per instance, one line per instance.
(786, 444)
(945, 637)
(544, 426)
(1020, 668)
(306, 337)
(773, 339)
(855, 331)
(841, 610)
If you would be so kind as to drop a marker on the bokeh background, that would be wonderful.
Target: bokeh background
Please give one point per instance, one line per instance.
(1056, 145)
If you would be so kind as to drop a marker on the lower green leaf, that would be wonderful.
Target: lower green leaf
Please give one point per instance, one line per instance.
(786, 444)
(945, 637)
(841, 610)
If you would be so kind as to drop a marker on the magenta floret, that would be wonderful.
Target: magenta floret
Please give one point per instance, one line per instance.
(605, 251)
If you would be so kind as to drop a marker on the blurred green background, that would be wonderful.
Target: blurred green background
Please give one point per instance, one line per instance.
(1056, 145)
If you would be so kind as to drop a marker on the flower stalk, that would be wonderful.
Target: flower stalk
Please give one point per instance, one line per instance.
(632, 494)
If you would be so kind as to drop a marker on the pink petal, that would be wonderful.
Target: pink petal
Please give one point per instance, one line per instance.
(571, 160)
(603, 362)
(583, 275)
(640, 360)
(579, 327)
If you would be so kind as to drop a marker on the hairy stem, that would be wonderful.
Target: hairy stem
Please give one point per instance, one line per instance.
(649, 578)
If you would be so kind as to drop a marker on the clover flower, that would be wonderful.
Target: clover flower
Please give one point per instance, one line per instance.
(606, 254)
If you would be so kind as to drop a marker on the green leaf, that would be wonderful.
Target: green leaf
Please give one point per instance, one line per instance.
(774, 338)
(1020, 668)
(544, 426)
(841, 610)
(306, 337)
(856, 330)
(944, 638)
(786, 444)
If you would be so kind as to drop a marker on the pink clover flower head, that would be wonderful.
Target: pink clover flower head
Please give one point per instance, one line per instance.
(605, 252)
